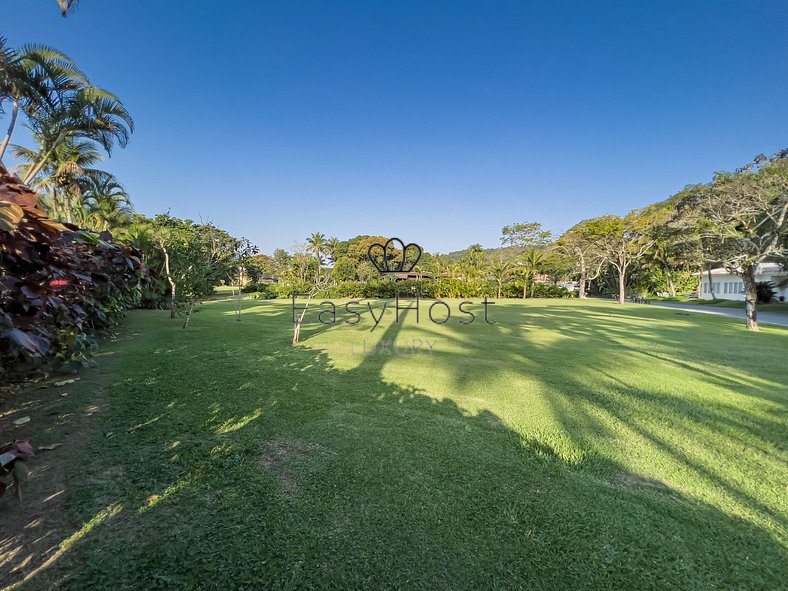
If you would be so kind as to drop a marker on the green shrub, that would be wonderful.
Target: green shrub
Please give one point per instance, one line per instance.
(265, 291)
(766, 292)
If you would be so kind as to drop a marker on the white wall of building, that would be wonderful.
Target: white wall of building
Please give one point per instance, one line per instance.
(727, 286)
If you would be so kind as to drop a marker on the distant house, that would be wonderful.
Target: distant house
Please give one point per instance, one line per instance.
(727, 286)
(406, 275)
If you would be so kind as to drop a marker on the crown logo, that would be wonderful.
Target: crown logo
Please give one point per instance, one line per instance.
(386, 259)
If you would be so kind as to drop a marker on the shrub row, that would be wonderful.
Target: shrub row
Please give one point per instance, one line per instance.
(445, 288)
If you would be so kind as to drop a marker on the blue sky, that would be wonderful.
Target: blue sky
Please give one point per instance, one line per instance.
(438, 122)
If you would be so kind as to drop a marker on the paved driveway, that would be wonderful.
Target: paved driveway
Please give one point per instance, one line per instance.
(764, 317)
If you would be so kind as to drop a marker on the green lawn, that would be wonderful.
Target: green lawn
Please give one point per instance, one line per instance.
(736, 305)
(571, 445)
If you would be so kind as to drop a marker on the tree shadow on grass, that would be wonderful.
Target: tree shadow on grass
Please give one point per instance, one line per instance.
(273, 468)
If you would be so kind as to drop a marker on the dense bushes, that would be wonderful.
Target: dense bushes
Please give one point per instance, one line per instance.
(59, 286)
(442, 288)
(261, 291)
(766, 291)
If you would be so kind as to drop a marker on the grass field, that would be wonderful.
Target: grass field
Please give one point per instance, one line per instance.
(733, 304)
(570, 445)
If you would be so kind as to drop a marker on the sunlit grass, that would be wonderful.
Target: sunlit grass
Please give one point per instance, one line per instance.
(569, 445)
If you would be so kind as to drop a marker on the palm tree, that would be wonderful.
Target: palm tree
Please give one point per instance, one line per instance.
(332, 247)
(88, 113)
(70, 162)
(67, 6)
(316, 244)
(500, 271)
(106, 205)
(475, 255)
(33, 78)
(530, 264)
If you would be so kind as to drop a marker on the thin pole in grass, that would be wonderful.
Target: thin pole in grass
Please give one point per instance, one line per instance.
(320, 284)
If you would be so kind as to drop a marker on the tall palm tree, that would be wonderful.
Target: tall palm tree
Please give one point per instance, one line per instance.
(316, 244)
(34, 77)
(88, 113)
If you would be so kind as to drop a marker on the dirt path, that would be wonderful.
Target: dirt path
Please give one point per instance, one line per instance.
(64, 417)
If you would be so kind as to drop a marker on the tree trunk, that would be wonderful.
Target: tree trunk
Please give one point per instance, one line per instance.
(671, 285)
(581, 284)
(525, 287)
(55, 207)
(67, 207)
(7, 138)
(621, 285)
(238, 301)
(711, 284)
(188, 315)
(173, 306)
(750, 297)
(37, 168)
(500, 286)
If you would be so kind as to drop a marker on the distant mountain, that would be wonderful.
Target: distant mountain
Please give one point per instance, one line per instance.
(491, 254)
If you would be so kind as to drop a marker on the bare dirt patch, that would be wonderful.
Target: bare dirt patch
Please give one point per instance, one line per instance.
(60, 427)
(286, 458)
(630, 481)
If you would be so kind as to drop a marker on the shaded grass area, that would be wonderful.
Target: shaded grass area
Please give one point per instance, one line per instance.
(570, 445)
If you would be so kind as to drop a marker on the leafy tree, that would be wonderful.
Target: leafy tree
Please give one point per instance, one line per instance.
(525, 235)
(197, 257)
(742, 220)
(344, 270)
(281, 261)
(580, 242)
(622, 242)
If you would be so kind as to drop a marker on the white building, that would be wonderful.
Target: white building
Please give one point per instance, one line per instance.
(727, 286)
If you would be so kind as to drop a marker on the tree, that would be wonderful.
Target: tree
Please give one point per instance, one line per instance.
(529, 264)
(742, 220)
(88, 113)
(196, 258)
(70, 162)
(621, 242)
(67, 6)
(580, 243)
(474, 256)
(34, 77)
(525, 235)
(316, 245)
(500, 272)
(333, 248)
(105, 203)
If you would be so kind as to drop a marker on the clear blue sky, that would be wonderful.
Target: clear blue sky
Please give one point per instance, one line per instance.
(438, 122)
